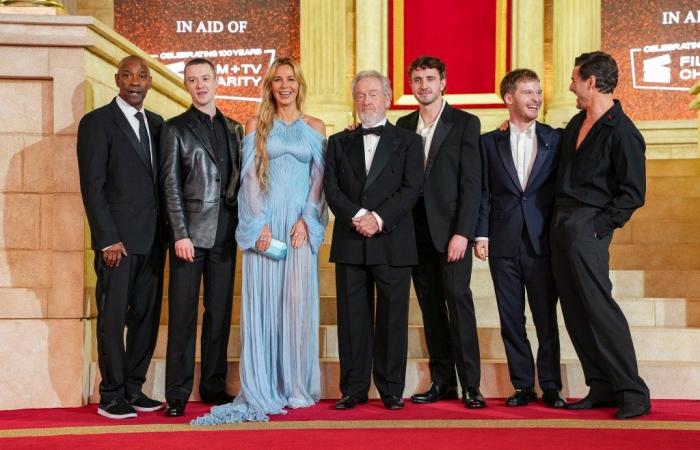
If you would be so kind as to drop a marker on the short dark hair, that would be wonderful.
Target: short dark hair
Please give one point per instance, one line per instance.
(602, 66)
(510, 82)
(427, 62)
(198, 61)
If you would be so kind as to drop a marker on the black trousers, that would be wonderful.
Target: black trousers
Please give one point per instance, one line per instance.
(369, 343)
(447, 306)
(511, 277)
(127, 296)
(596, 325)
(216, 266)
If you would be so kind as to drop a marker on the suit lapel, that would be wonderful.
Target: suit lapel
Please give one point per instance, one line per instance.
(410, 123)
(385, 146)
(200, 132)
(543, 152)
(355, 151)
(504, 151)
(155, 134)
(442, 129)
(233, 143)
(124, 125)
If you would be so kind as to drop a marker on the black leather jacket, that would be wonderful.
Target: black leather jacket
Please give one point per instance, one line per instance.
(190, 177)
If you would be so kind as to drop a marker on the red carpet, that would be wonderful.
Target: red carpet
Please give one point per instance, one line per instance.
(673, 424)
(386, 439)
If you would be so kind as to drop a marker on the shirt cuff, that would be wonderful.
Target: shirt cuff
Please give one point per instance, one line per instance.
(107, 248)
(380, 222)
(481, 238)
(360, 213)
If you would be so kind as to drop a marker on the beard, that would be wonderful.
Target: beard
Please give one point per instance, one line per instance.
(425, 101)
(370, 118)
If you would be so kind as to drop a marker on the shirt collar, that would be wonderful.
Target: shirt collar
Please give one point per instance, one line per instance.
(204, 116)
(612, 114)
(127, 109)
(421, 124)
(380, 123)
(516, 131)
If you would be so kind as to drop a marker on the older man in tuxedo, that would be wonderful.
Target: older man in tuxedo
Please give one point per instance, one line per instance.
(118, 163)
(372, 180)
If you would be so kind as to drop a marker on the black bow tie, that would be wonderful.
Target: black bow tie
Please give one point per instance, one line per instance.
(374, 130)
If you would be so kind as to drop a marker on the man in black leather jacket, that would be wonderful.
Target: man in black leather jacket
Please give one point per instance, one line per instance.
(200, 170)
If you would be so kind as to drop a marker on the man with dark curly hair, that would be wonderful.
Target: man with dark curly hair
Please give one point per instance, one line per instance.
(600, 183)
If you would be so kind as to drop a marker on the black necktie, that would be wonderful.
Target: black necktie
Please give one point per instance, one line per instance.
(143, 137)
(374, 130)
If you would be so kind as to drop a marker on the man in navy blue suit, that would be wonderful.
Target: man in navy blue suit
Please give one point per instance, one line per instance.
(519, 168)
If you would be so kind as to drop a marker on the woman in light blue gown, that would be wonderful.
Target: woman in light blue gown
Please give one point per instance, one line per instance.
(280, 198)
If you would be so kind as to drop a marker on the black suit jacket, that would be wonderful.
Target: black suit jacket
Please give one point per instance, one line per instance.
(452, 175)
(119, 188)
(190, 177)
(505, 207)
(390, 189)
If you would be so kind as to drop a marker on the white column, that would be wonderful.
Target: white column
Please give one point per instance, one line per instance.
(576, 29)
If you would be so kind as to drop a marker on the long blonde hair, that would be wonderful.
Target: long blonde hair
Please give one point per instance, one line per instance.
(266, 115)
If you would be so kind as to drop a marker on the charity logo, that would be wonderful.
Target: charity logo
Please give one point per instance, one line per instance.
(671, 66)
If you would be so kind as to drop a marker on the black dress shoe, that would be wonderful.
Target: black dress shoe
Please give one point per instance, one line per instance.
(632, 410)
(176, 408)
(589, 403)
(392, 402)
(521, 397)
(349, 402)
(551, 398)
(217, 399)
(436, 391)
(473, 399)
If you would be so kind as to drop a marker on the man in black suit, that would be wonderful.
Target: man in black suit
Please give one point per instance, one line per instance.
(517, 199)
(600, 183)
(372, 179)
(445, 221)
(117, 159)
(200, 179)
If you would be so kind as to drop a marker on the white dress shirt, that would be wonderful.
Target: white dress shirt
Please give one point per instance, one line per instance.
(130, 114)
(371, 141)
(370, 144)
(426, 132)
(523, 147)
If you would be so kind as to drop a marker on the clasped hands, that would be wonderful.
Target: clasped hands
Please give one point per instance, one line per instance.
(366, 224)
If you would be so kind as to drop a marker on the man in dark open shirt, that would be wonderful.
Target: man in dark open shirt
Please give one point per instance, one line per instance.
(600, 183)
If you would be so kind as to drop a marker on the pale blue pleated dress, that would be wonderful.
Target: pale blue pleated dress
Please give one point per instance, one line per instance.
(279, 366)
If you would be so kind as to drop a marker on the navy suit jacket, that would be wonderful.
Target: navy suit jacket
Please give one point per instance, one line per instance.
(505, 207)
